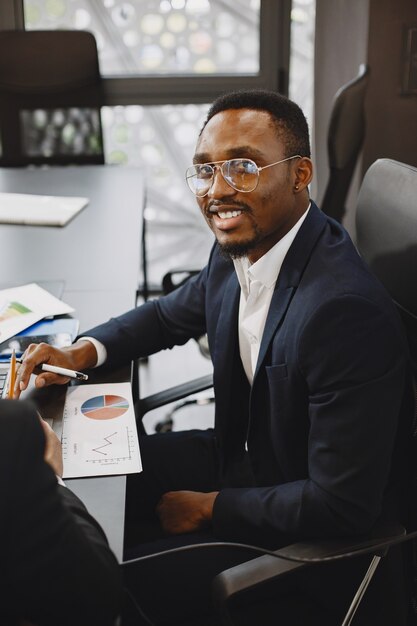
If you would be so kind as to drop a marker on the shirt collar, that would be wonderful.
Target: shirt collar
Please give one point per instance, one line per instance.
(266, 269)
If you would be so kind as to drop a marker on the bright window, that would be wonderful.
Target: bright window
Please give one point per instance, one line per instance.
(161, 37)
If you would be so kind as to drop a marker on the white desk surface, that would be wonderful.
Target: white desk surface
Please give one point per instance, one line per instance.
(99, 249)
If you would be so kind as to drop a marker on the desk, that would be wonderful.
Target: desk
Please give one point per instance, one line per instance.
(97, 256)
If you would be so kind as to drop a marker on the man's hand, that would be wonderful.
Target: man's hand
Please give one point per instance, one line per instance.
(53, 449)
(185, 511)
(79, 356)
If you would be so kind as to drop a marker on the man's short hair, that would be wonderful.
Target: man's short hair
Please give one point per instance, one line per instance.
(289, 119)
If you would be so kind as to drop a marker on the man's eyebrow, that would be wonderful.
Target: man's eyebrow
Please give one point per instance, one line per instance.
(239, 152)
(201, 157)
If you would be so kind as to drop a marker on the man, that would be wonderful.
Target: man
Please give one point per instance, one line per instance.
(310, 373)
(57, 569)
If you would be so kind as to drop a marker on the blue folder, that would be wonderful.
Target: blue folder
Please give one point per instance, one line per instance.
(59, 332)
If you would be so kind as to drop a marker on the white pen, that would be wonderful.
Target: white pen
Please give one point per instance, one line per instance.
(62, 371)
(54, 369)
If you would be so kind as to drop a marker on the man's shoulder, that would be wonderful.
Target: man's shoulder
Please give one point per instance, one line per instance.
(334, 257)
(331, 271)
(18, 424)
(16, 415)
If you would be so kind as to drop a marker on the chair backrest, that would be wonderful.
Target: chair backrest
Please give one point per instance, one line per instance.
(386, 222)
(50, 96)
(344, 141)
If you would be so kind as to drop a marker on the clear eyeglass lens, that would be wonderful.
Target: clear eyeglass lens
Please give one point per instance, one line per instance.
(199, 178)
(241, 174)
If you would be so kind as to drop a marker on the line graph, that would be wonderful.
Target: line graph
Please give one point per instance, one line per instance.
(112, 449)
(108, 443)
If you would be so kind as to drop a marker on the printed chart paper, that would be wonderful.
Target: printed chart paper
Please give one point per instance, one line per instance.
(99, 435)
(22, 306)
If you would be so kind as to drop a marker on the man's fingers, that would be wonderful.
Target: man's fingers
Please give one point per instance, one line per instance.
(34, 356)
(53, 449)
(44, 424)
(43, 380)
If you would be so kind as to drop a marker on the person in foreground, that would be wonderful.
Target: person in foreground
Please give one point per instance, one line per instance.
(312, 387)
(57, 569)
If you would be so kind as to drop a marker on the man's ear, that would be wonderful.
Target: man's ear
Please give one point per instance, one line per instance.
(303, 173)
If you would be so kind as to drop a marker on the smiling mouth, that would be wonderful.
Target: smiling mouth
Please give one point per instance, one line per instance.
(227, 215)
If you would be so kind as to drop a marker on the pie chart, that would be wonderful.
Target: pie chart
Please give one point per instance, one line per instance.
(105, 407)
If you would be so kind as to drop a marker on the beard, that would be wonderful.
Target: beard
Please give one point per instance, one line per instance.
(240, 249)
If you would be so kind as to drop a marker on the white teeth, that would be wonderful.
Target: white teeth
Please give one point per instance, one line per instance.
(226, 215)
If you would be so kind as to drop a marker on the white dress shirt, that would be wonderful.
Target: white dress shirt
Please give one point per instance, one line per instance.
(100, 349)
(257, 284)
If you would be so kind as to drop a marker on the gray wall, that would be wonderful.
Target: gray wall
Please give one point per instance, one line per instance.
(391, 116)
(350, 32)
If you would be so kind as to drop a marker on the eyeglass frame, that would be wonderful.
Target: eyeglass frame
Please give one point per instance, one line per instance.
(215, 165)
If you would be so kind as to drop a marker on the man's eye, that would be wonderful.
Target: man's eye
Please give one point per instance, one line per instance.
(242, 166)
(248, 167)
(205, 171)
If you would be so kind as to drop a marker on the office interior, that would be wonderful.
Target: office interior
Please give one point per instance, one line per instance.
(306, 48)
(156, 92)
(154, 101)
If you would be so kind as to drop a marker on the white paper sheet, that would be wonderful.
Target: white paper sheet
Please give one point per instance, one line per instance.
(20, 307)
(99, 435)
(34, 210)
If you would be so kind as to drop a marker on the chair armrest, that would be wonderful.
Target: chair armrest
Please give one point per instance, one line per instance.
(177, 277)
(172, 394)
(250, 574)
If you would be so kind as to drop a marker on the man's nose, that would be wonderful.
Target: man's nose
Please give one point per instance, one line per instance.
(219, 187)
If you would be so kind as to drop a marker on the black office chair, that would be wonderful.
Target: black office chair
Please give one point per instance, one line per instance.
(345, 137)
(386, 223)
(50, 97)
(387, 239)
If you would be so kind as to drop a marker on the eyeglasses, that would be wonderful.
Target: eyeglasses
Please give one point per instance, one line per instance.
(240, 174)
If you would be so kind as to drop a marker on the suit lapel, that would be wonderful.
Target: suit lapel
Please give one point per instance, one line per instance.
(227, 333)
(279, 305)
(290, 275)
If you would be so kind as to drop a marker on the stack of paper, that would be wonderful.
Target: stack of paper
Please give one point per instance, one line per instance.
(58, 332)
(20, 307)
(22, 208)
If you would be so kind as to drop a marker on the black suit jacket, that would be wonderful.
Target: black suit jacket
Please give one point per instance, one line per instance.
(329, 411)
(56, 567)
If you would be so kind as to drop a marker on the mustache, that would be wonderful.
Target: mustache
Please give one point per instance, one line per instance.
(215, 204)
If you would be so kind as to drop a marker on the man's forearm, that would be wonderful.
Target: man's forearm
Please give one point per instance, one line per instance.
(83, 354)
